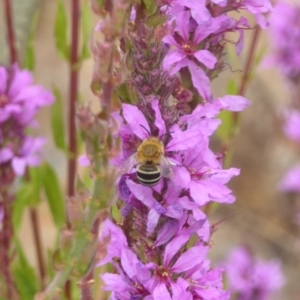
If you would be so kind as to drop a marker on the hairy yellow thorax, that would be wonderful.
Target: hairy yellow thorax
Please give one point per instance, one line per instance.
(150, 151)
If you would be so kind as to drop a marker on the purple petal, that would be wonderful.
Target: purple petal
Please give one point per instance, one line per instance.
(115, 282)
(171, 59)
(129, 261)
(182, 140)
(223, 176)
(136, 121)
(190, 258)
(199, 193)
(240, 42)
(179, 65)
(20, 81)
(19, 165)
(220, 2)
(258, 6)
(5, 155)
(181, 176)
(159, 122)
(142, 193)
(168, 230)
(161, 293)
(182, 22)
(200, 81)
(169, 39)
(206, 57)
(153, 217)
(173, 247)
(84, 161)
(204, 31)
(174, 211)
(179, 290)
(234, 103)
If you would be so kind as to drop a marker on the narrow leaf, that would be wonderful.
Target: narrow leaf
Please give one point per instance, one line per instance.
(54, 195)
(23, 198)
(232, 88)
(35, 181)
(24, 276)
(225, 129)
(150, 6)
(86, 30)
(57, 120)
(60, 30)
(29, 60)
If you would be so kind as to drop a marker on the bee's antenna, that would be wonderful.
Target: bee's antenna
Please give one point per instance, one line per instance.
(146, 129)
(166, 134)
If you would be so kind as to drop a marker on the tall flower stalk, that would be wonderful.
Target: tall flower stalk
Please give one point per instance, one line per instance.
(286, 55)
(158, 247)
(20, 100)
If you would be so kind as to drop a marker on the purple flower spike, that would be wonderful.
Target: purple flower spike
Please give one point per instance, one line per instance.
(20, 100)
(252, 278)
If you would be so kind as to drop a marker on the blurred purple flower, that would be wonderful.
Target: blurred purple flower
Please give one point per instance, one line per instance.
(292, 125)
(291, 180)
(250, 278)
(19, 98)
(285, 34)
(19, 103)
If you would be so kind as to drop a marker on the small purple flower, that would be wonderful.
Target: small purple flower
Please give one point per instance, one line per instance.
(292, 125)
(186, 53)
(251, 278)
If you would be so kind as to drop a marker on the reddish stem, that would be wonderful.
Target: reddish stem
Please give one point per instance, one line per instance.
(248, 69)
(10, 32)
(6, 234)
(38, 244)
(73, 92)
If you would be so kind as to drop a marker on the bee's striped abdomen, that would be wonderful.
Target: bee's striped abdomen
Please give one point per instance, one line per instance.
(148, 174)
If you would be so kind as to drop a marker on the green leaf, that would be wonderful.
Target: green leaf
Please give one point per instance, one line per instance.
(29, 60)
(23, 198)
(60, 31)
(24, 276)
(232, 88)
(150, 6)
(86, 26)
(35, 182)
(57, 120)
(225, 129)
(54, 195)
(155, 20)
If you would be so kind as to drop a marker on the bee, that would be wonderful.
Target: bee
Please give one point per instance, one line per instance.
(151, 163)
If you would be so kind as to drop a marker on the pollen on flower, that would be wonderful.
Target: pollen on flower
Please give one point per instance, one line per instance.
(163, 273)
(188, 48)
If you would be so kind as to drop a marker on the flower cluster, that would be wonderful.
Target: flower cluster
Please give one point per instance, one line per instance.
(199, 37)
(19, 102)
(291, 181)
(285, 30)
(285, 33)
(250, 278)
(159, 249)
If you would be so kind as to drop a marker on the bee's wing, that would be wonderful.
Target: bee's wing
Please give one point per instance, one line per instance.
(128, 164)
(166, 167)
